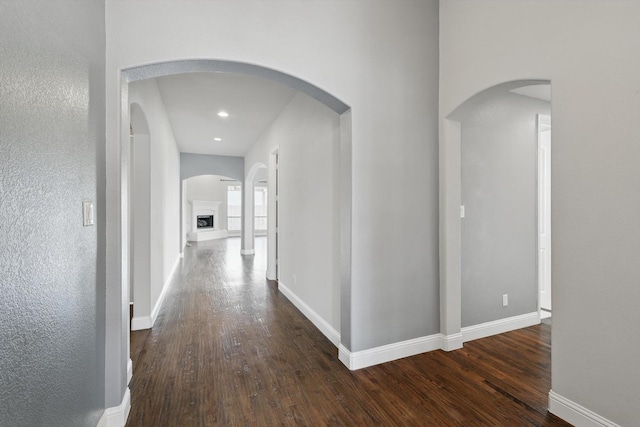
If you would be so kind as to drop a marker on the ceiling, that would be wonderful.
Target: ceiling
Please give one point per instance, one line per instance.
(193, 100)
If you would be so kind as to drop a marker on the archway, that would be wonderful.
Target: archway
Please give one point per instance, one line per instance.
(450, 211)
(117, 350)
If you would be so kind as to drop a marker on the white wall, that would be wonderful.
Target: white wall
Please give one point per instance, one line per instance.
(164, 191)
(380, 59)
(307, 135)
(208, 187)
(499, 159)
(589, 51)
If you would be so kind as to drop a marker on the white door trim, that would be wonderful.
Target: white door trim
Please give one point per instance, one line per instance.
(544, 213)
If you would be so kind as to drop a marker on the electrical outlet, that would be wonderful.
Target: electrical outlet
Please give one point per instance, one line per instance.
(505, 300)
(294, 279)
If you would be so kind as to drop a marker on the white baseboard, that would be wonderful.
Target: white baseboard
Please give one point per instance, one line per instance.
(495, 327)
(389, 352)
(576, 414)
(146, 322)
(141, 322)
(452, 342)
(165, 286)
(412, 347)
(117, 415)
(129, 371)
(247, 251)
(324, 327)
(271, 275)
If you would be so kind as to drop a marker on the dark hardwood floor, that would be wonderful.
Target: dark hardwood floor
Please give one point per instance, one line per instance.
(228, 349)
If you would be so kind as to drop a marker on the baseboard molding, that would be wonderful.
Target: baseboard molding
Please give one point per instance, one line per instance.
(247, 251)
(412, 347)
(141, 322)
(576, 414)
(146, 322)
(452, 342)
(389, 352)
(129, 371)
(500, 326)
(117, 415)
(324, 327)
(163, 293)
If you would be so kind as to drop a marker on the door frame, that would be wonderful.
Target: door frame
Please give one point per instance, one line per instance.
(543, 122)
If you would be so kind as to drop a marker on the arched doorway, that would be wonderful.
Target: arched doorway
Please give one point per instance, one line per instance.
(117, 333)
(451, 212)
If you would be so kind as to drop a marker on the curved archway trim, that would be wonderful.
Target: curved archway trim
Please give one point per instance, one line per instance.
(218, 66)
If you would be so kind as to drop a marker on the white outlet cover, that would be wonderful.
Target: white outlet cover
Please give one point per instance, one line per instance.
(87, 213)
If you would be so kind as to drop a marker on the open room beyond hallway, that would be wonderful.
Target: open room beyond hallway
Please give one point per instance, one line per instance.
(229, 349)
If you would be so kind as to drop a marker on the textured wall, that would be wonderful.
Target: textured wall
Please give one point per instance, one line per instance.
(52, 284)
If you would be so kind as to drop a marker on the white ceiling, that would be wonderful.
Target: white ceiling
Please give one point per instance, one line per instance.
(193, 100)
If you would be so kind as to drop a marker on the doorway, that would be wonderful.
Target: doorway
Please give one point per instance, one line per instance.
(498, 312)
(118, 263)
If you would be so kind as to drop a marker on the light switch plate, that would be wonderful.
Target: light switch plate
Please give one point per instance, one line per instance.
(87, 213)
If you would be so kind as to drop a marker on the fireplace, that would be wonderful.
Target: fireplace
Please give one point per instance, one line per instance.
(204, 221)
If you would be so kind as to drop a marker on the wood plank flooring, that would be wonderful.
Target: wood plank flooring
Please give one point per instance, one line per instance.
(228, 349)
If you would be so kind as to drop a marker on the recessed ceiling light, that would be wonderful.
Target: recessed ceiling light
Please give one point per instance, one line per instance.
(217, 139)
(223, 114)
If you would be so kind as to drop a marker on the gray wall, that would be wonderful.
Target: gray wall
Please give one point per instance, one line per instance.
(593, 65)
(499, 192)
(52, 297)
(307, 137)
(203, 164)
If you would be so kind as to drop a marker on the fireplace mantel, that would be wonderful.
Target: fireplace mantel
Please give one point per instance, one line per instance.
(205, 208)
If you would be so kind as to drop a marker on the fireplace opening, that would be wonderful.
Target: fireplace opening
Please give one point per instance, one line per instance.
(205, 221)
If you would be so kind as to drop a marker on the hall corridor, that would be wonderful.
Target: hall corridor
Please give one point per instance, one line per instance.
(228, 349)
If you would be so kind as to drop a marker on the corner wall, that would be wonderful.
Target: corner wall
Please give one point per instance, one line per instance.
(589, 52)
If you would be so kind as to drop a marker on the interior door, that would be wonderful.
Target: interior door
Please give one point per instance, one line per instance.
(544, 212)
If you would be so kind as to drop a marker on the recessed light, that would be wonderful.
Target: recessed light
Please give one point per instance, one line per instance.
(223, 114)
(217, 139)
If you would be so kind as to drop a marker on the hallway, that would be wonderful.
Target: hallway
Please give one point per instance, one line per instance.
(228, 349)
